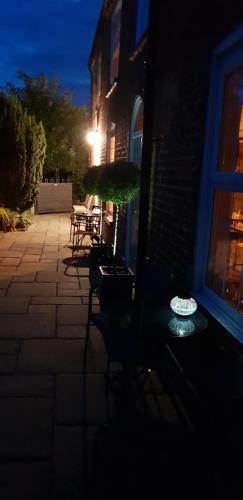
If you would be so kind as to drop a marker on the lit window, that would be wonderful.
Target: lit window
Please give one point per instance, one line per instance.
(111, 155)
(142, 18)
(218, 266)
(225, 260)
(115, 41)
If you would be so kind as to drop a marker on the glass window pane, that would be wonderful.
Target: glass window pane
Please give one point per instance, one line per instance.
(231, 139)
(142, 18)
(138, 126)
(225, 259)
(115, 41)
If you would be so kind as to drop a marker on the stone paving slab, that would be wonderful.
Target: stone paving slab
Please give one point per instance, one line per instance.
(72, 314)
(34, 267)
(71, 331)
(33, 251)
(68, 463)
(52, 277)
(32, 289)
(24, 278)
(82, 271)
(7, 363)
(70, 292)
(10, 253)
(19, 305)
(9, 346)
(10, 261)
(49, 310)
(50, 248)
(84, 283)
(29, 258)
(70, 401)
(56, 300)
(74, 285)
(26, 385)
(27, 481)
(4, 282)
(51, 356)
(25, 429)
(7, 270)
(29, 325)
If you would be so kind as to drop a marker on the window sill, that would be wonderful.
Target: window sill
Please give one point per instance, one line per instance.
(225, 315)
(112, 88)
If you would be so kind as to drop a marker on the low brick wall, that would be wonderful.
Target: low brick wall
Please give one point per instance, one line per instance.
(54, 198)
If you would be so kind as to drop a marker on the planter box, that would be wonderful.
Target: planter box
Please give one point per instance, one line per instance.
(98, 254)
(116, 287)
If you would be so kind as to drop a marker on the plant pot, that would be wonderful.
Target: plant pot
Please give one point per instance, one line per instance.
(99, 254)
(116, 287)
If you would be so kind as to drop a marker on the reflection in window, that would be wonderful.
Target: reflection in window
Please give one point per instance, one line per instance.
(137, 132)
(115, 41)
(142, 18)
(231, 144)
(225, 259)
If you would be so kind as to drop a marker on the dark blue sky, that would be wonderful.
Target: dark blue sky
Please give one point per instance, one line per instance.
(48, 36)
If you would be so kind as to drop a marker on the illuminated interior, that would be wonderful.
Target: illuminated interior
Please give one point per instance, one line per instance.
(225, 258)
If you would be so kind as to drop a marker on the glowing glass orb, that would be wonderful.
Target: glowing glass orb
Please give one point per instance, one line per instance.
(183, 307)
(181, 326)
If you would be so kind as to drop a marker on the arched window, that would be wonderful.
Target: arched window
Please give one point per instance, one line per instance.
(135, 155)
(136, 135)
(218, 268)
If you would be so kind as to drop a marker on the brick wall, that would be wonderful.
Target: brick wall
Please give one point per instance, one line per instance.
(118, 108)
(182, 75)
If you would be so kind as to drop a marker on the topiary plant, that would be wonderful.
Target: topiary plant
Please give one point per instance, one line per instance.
(116, 182)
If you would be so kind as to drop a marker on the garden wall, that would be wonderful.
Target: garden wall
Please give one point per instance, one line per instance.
(54, 197)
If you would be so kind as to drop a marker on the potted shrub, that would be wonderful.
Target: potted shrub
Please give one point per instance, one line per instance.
(116, 182)
(100, 252)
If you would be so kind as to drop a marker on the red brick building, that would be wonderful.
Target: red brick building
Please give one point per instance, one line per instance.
(175, 79)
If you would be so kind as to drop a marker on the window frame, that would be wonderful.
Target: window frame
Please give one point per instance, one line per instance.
(226, 58)
(115, 48)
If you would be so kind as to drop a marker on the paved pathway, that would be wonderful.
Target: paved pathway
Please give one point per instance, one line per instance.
(44, 444)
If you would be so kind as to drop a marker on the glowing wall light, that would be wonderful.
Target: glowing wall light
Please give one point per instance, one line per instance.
(94, 140)
(183, 307)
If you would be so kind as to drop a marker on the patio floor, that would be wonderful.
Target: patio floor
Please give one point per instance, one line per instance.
(55, 419)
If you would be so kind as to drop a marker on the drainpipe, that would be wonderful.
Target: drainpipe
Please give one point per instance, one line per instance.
(146, 167)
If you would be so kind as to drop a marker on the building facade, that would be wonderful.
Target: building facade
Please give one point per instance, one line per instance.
(117, 66)
(181, 70)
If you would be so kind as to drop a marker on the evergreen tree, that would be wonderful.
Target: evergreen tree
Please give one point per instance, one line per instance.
(22, 154)
(65, 125)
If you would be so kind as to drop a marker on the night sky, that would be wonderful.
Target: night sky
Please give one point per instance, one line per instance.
(48, 36)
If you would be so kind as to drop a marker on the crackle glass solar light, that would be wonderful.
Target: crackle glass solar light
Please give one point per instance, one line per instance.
(182, 306)
(181, 327)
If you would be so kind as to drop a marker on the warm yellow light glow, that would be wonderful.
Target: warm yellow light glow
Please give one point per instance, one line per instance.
(91, 137)
(94, 139)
